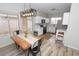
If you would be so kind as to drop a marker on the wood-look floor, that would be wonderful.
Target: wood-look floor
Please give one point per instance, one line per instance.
(57, 49)
(60, 50)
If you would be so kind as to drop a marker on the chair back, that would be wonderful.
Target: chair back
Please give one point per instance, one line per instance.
(36, 48)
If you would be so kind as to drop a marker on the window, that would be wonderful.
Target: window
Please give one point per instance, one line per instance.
(54, 20)
(4, 29)
(13, 25)
(8, 25)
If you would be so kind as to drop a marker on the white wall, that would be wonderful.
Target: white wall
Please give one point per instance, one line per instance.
(71, 38)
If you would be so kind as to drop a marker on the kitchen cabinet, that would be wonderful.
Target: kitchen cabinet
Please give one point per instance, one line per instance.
(46, 20)
(51, 28)
(65, 18)
(38, 26)
(38, 19)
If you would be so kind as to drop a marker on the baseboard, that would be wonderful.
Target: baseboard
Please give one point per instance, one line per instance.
(71, 47)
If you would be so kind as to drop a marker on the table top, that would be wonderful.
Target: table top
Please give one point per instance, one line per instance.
(27, 42)
(22, 43)
(30, 39)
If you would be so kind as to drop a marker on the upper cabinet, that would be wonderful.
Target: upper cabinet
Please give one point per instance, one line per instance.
(65, 18)
(39, 18)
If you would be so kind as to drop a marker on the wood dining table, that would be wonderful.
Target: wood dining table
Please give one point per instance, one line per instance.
(25, 43)
(22, 43)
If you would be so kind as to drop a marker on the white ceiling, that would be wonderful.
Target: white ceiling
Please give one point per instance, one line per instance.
(59, 7)
(44, 7)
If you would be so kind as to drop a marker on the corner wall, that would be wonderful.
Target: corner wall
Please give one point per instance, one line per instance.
(71, 38)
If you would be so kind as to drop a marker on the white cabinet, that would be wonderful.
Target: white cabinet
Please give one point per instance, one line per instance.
(65, 18)
(37, 22)
(46, 20)
(38, 29)
(51, 28)
(38, 19)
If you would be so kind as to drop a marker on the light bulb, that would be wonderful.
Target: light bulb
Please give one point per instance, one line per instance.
(32, 13)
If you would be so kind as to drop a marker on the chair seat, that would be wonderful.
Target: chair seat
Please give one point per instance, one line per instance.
(35, 50)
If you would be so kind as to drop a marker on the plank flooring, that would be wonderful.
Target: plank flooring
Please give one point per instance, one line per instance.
(57, 49)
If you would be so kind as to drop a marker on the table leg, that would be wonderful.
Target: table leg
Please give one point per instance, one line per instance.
(17, 46)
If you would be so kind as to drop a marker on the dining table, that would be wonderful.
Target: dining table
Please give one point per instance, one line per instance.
(26, 42)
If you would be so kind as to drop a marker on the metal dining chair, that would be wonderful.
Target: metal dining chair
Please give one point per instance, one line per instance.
(34, 51)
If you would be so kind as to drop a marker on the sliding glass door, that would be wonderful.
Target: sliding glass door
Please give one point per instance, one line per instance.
(4, 33)
(4, 28)
(7, 27)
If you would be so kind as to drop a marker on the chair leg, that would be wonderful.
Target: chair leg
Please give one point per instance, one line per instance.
(28, 51)
(17, 46)
(40, 53)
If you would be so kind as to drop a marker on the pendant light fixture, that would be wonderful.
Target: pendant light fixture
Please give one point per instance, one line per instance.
(28, 13)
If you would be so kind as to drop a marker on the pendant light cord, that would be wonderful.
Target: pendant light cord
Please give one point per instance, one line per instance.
(29, 5)
(24, 6)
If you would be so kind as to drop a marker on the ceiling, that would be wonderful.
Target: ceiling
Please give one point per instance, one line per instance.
(48, 8)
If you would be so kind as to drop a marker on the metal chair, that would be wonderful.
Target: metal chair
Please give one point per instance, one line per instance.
(34, 51)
